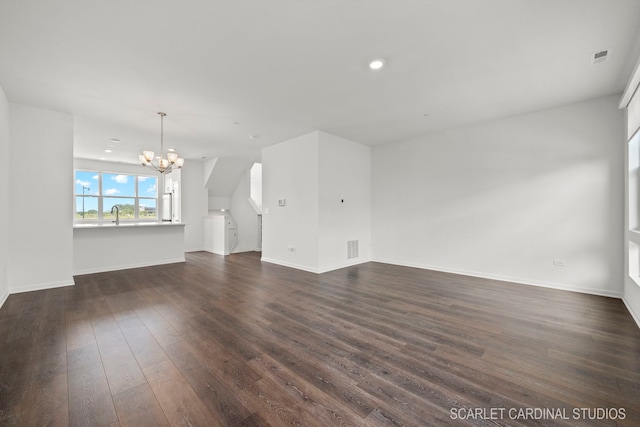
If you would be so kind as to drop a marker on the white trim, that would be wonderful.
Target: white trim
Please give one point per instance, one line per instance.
(199, 249)
(634, 315)
(353, 262)
(290, 265)
(128, 266)
(244, 251)
(551, 285)
(632, 86)
(3, 298)
(315, 270)
(41, 286)
(211, 251)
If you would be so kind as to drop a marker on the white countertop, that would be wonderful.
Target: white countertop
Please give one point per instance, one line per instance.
(126, 224)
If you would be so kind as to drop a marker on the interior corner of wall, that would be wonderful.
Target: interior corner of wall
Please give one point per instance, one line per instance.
(3, 297)
(632, 311)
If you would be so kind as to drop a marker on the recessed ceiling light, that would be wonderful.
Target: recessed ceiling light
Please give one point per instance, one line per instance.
(376, 64)
(254, 136)
(171, 150)
(103, 158)
(106, 150)
(115, 140)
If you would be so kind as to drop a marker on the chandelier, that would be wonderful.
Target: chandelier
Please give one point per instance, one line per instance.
(163, 164)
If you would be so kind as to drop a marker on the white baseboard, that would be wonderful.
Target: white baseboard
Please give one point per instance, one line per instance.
(211, 251)
(634, 314)
(195, 249)
(290, 265)
(315, 270)
(127, 266)
(42, 286)
(344, 265)
(3, 298)
(520, 281)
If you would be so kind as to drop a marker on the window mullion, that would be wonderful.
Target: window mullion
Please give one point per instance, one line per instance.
(136, 203)
(100, 202)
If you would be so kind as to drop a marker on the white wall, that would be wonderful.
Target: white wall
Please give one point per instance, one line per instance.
(40, 200)
(345, 201)
(504, 199)
(245, 216)
(194, 205)
(114, 167)
(325, 181)
(290, 171)
(4, 196)
(217, 203)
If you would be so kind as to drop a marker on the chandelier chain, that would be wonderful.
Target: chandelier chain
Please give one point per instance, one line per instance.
(163, 165)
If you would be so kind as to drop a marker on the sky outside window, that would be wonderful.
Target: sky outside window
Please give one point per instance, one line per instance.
(87, 186)
(118, 185)
(147, 186)
(89, 181)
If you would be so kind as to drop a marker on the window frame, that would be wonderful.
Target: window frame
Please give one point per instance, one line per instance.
(100, 198)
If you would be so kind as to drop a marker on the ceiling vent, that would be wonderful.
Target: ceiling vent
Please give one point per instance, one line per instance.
(600, 56)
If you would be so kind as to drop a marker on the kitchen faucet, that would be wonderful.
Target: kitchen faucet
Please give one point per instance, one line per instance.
(117, 221)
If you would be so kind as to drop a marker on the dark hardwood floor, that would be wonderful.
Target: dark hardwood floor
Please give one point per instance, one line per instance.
(231, 341)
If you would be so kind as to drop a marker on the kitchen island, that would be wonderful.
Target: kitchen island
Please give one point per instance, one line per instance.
(99, 247)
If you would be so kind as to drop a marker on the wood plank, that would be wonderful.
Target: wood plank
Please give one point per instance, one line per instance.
(79, 329)
(210, 385)
(321, 406)
(90, 402)
(138, 407)
(142, 343)
(46, 403)
(231, 341)
(177, 399)
(123, 374)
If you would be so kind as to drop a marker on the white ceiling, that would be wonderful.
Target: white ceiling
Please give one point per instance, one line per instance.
(225, 70)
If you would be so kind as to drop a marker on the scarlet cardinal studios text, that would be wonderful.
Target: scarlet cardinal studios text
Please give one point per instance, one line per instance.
(537, 413)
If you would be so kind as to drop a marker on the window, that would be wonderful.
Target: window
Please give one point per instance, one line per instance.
(136, 196)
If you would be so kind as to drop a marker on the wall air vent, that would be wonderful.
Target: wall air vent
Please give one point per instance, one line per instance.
(352, 249)
(600, 56)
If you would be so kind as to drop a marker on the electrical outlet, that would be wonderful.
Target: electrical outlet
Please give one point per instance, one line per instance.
(291, 248)
(559, 262)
